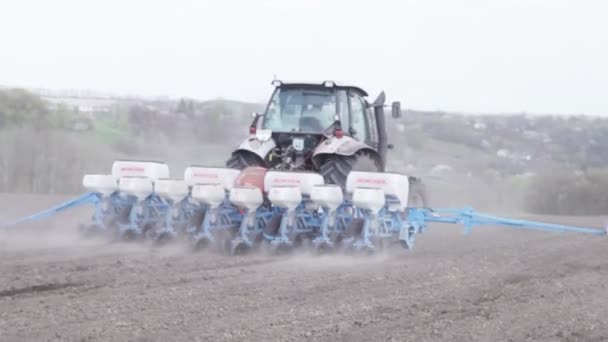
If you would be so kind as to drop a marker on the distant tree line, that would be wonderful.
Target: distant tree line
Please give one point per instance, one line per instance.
(21, 108)
(561, 193)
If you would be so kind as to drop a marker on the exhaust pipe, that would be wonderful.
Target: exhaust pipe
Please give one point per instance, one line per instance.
(381, 125)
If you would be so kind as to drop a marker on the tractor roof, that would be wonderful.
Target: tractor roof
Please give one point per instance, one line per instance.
(325, 84)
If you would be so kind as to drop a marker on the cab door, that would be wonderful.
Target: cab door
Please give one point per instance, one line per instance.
(359, 126)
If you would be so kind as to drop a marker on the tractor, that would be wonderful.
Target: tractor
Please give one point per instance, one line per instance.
(326, 128)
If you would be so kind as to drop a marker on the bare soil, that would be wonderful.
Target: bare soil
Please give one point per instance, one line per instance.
(497, 284)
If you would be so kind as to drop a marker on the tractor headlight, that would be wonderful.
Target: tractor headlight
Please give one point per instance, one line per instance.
(263, 134)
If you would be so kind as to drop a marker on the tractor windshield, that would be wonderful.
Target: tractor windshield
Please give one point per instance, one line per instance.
(300, 110)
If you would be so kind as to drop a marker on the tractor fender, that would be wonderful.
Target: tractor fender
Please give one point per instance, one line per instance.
(345, 146)
(257, 146)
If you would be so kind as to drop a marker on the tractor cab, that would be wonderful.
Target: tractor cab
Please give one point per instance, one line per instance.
(318, 109)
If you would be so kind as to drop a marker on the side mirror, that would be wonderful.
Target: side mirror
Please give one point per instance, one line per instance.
(254, 123)
(396, 109)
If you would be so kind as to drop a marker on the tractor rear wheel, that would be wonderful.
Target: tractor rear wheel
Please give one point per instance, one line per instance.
(336, 168)
(242, 159)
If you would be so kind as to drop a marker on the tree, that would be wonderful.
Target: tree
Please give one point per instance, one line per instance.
(61, 117)
(20, 107)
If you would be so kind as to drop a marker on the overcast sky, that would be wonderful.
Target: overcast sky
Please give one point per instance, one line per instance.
(470, 55)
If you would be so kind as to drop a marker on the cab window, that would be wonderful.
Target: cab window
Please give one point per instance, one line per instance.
(343, 106)
(359, 122)
(294, 109)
